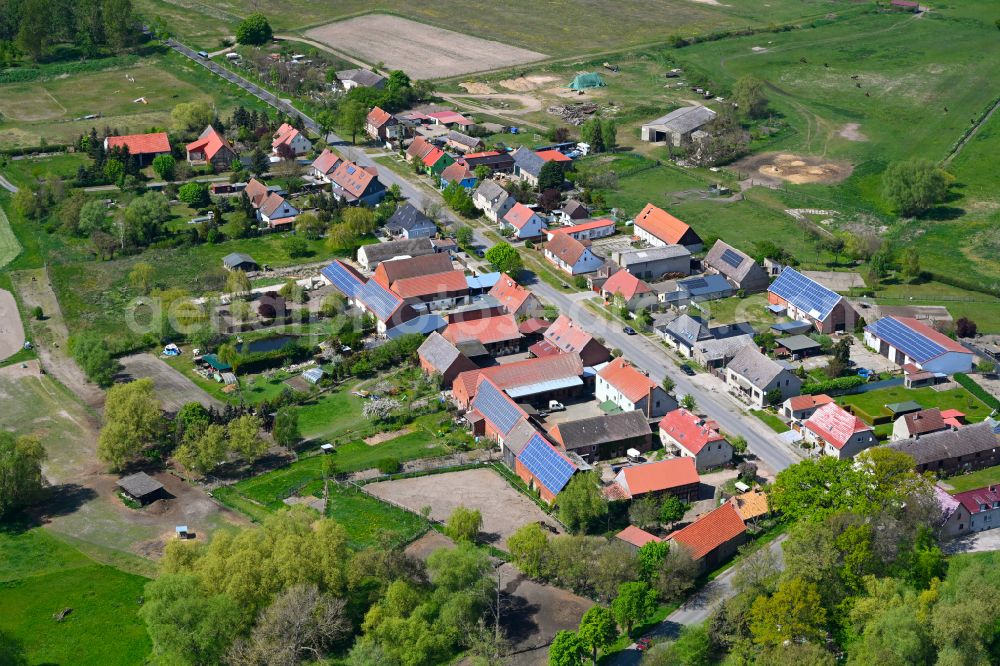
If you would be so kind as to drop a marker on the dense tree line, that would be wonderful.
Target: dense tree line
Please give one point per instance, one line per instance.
(34, 26)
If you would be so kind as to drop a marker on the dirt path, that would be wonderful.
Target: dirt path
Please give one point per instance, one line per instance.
(531, 104)
(968, 137)
(51, 337)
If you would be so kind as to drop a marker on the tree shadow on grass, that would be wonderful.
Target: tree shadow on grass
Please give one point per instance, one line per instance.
(11, 651)
(65, 499)
(943, 213)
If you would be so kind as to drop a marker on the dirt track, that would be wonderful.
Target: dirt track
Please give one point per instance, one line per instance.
(172, 388)
(422, 51)
(11, 329)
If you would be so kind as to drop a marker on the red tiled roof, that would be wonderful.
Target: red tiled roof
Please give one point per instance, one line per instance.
(533, 325)
(552, 156)
(566, 248)
(527, 372)
(657, 476)
(444, 284)
(388, 272)
(583, 226)
(636, 536)
(689, 430)
(974, 499)
(485, 331)
(710, 531)
(488, 153)
(432, 156)
(284, 135)
(800, 402)
(209, 142)
(630, 382)
(271, 203)
(449, 117)
(419, 147)
(510, 294)
(141, 144)
(256, 191)
(353, 179)
(835, 424)
(626, 284)
(518, 216)
(326, 162)
(377, 117)
(543, 348)
(457, 171)
(566, 336)
(661, 224)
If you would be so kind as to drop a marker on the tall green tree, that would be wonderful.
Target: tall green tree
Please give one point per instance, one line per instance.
(286, 427)
(203, 452)
(528, 547)
(581, 503)
(353, 115)
(133, 420)
(505, 258)
(119, 23)
(635, 602)
(254, 30)
(165, 166)
(794, 613)
(566, 649)
(551, 176)
(245, 438)
(21, 461)
(464, 524)
(748, 93)
(597, 630)
(914, 186)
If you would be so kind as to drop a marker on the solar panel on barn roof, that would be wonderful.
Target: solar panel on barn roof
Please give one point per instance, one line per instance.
(905, 339)
(343, 279)
(381, 302)
(732, 258)
(805, 294)
(497, 407)
(551, 469)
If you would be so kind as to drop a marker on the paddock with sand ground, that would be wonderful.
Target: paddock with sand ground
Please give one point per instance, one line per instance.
(775, 168)
(422, 51)
(11, 328)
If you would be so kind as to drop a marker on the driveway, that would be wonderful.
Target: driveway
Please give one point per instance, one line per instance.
(978, 542)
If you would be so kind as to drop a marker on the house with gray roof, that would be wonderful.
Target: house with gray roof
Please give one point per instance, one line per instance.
(677, 126)
(683, 333)
(711, 347)
(360, 78)
(954, 450)
(527, 165)
(737, 267)
(370, 256)
(605, 436)
(408, 222)
(751, 375)
(653, 263)
(463, 143)
(239, 261)
(491, 198)
(438, 356)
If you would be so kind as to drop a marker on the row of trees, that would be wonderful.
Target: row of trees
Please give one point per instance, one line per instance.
(33, 26)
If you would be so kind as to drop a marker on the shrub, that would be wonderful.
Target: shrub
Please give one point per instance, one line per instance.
(389, 466)
(838, 385)
(970, 385)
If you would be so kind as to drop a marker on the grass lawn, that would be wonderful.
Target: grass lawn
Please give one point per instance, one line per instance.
(772, 421)
(872, 404)
(332, 415)
(39, 576)
(973, 480)
(369, 521)
(48, 108)
(752, 309)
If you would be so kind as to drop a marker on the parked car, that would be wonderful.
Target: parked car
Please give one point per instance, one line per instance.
(203, 54)
(556, 406)
(687, 370)
(628, 330)
(643, 644)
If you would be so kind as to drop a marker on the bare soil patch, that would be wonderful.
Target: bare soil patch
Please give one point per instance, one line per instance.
(527, 83)
(537, 612)
(172, 388)
(477, 88)
(774, 168)
(837, 280)
(851, 132)
(386, 436)
(420, 50)
(11, 328)
(503, 508)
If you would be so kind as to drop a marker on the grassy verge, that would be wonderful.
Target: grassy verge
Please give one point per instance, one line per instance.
(973, 480)
(772, 421)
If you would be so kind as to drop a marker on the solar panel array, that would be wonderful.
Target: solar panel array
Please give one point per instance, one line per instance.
(906, 340)
(498, 408)
(379, 300)
(732, 257)
(805, 294)
(551, 469)
(694, 283)
(343, 279)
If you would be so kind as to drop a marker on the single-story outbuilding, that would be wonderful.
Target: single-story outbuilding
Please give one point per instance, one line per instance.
(142, 488)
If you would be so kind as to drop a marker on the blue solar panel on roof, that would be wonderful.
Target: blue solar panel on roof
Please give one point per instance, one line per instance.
(497, 407)
(905, 339)
(805, 294)
(694, 283)
(381, 302)
(732, 258)
(351, 170)
(342, 279)
(544, 462)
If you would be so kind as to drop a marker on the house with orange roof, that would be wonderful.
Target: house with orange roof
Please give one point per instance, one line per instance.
(565, 336)
(553, 156)
(276, 211)
(534, 380)
(211, 148)
(571, 255)
(619, 384)
(801, 407)
(353, 184)
(585, 230)
(839, 433)
(694, 437)
(515, 299)
(419, 148)
(145, 147)
(636, 537)
(630, 291)
(388, 272)
(499, 335)
(323, 166)
(522, 222)
(426, 283)
(287, 137)
(460, 173)
(675, 476)
(256, 192)
(381, 125)
(659, 228)
(713, 538)
(751, 505)
(436, 161)
(926, 421)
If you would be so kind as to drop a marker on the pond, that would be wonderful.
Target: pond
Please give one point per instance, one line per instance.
(266, 344)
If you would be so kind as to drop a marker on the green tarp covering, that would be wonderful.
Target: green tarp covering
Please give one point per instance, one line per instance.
(588, 80)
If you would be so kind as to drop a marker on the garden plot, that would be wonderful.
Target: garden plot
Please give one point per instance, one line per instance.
(503, 508)
(422, 51)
